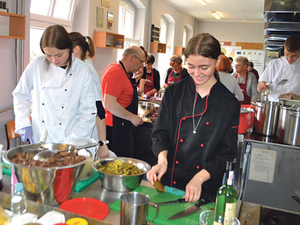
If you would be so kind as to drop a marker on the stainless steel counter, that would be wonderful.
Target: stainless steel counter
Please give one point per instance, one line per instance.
(92, 191)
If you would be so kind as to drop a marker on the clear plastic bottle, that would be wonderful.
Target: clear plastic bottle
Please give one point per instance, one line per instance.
(18, 201)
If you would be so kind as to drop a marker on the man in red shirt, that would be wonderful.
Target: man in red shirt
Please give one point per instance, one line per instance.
(120, 100)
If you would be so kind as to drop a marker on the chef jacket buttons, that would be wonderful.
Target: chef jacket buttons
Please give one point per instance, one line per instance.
(176, 162)
(202, 145)
(198, 167)
(43, 103)
(181, 140)
(43, 121)
(207, 123)
(70, 74)
(174, 182)
(62, 107)
(65, 89)
(59, 123)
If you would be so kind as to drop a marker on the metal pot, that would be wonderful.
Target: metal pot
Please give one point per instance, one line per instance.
(265, 118)
(47, 185)
(121, 183)
(288, 131)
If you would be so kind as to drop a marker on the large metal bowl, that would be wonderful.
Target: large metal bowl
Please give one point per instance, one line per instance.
(121, 183)
(47, 185)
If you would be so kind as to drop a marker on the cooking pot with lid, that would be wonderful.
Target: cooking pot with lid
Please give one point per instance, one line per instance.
(288, 131)
(265, 118)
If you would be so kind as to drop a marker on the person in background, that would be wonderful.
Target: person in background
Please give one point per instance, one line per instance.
(252, 70)
(196, 130)
(229, 81)
(84, 49)
(247, 80)
(287, 67)
(176, 72)
(140, 75)
(231, 70)
(64, 97)
(120, 100)
(151, 84)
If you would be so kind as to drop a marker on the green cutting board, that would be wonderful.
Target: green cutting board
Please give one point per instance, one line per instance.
(166, 211)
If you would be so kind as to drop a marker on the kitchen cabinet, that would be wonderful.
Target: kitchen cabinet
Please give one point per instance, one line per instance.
(157, 47)
(104, 39)
(179, 50)
(16, 25)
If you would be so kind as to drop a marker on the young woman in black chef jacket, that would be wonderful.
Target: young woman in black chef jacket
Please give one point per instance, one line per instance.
(196, 130)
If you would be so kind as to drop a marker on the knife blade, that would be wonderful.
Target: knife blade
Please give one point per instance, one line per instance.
(191, 210)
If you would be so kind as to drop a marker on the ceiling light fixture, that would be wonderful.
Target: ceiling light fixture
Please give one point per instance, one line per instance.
(202, 2)
(215, 14)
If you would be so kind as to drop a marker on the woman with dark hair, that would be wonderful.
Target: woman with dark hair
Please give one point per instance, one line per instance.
(84, 49)
(196, 130)
(152, 78)
(176, 72)
(64, 98)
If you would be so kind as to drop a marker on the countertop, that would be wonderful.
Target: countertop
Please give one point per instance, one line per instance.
(92, 191)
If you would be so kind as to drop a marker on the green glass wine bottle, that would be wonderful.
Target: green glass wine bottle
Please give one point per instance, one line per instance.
(226, 199)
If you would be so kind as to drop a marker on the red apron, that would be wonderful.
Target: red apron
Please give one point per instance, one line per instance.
(247, 99)
(172, 80)
(149, 83)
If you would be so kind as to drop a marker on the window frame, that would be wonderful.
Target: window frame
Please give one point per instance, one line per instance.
(165, 22)
(41, 21)
(127, 6)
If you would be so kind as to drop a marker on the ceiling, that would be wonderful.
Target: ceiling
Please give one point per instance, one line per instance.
(229, 10)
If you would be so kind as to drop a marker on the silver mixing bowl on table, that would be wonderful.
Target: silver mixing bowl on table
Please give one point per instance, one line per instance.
(50, 185)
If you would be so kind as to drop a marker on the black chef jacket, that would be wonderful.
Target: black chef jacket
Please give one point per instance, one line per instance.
(214, 143)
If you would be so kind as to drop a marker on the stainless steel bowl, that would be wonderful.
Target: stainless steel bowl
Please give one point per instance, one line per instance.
(121, 183)
(47, 185)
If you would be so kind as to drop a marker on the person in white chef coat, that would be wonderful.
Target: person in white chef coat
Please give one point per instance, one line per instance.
(84, 49)
(287, 67)
(64, 97)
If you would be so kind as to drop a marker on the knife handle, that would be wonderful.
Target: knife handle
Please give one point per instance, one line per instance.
(181, 200)
(203, 202)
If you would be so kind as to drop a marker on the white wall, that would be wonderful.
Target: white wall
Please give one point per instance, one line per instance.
(234, 32)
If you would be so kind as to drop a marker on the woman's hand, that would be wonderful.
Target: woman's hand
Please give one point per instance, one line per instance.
(156, 172)
(159, 169)
(103, 152)
(194, 188)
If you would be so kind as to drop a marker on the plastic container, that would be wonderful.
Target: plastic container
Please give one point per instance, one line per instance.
(18, 201)
(77, 221)
(246, 118)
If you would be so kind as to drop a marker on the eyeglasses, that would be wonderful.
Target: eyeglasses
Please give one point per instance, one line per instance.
(236, 65)
(142, 61)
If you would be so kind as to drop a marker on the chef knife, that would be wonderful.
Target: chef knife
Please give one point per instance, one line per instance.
(191, 209)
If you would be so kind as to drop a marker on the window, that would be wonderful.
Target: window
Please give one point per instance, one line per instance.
(126, 19)
(184, 37)
(163, 31)
(45, 13)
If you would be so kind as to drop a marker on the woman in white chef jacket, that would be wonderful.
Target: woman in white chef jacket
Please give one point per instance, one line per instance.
(84, 49)
(64, 97)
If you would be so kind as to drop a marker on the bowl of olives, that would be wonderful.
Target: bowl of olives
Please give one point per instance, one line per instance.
(121, 174)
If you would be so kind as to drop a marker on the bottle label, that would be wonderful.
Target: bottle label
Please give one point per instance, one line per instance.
(216, 223)
(230, 210)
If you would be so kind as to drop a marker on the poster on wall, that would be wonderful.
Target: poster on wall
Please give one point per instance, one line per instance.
(110, 19)
(105, 3)
(229, 51)
(100, 12)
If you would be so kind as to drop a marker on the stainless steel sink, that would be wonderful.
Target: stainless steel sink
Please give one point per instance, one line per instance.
(255, 214)
(270, 216)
